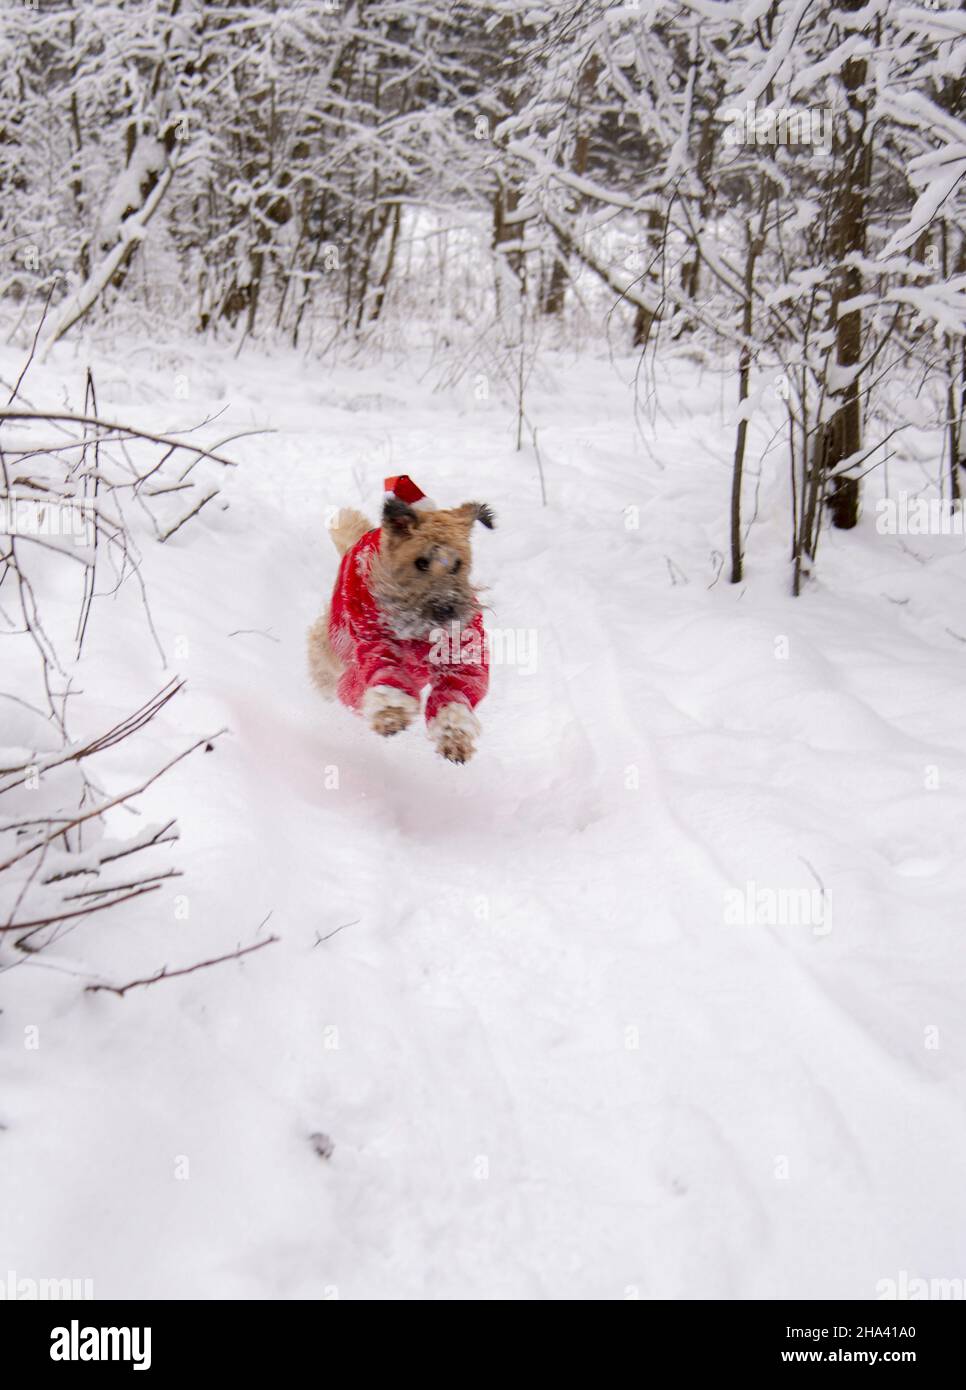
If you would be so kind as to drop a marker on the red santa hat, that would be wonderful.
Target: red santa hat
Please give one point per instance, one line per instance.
(405, 490)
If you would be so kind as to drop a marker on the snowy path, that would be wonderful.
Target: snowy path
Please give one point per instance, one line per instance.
(547, 1063)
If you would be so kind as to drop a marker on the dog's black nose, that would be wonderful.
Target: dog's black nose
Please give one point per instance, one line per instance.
(442, 612)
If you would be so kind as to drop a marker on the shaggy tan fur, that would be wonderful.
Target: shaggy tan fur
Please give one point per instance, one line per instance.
(420, 580)
(414, 600)
(454, 731)
(325, 667)
(388, 710)
(349, 526)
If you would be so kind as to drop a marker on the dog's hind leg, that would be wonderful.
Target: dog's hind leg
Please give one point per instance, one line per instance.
(325, 667)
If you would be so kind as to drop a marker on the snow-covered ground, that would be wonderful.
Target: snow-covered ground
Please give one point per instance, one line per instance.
(513, 995)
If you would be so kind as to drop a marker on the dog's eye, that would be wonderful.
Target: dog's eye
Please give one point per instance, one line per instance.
(457, 566)
(422, 563)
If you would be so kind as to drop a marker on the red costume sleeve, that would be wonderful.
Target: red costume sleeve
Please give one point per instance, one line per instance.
(372, 655)
(464, 681)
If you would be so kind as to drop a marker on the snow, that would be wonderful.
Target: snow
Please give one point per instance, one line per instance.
(132, 229)
(508, 1044)
(929, 202)
(768, 71)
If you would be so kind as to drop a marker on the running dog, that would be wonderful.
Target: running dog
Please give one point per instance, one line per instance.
(403, 616)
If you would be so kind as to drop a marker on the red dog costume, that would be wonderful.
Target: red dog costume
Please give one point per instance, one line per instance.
(455, 667)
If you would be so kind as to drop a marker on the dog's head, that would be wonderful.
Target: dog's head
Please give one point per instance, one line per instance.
(422, 580)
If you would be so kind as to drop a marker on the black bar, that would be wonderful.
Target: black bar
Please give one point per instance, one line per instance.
(256, 1339)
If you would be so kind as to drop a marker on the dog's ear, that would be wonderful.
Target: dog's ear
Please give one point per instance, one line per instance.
(477, 511)
(399, 519)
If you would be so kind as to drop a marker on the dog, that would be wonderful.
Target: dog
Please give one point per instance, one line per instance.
(404, 615)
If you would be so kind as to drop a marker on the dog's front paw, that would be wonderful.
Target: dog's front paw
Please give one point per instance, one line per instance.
(454, 731)
(388, 710)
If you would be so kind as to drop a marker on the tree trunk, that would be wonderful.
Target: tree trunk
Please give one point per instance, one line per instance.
(644, 318)
(553, 300)
(847, 235)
